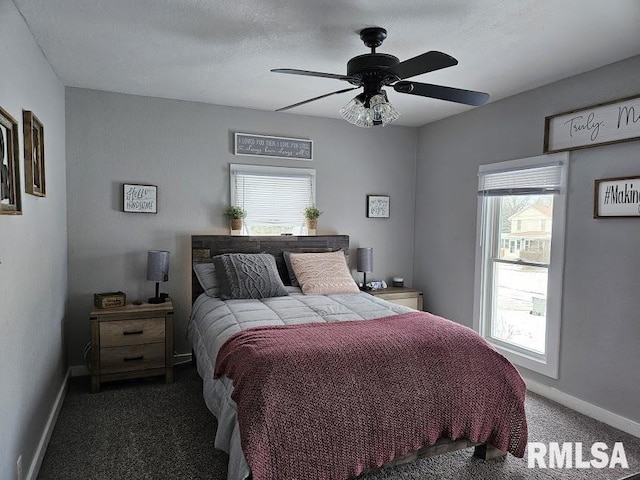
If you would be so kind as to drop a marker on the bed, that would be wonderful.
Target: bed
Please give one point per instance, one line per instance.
(242, 391)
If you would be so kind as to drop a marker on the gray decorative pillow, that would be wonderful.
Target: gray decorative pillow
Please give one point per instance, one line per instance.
(248, 275)
(206, 275)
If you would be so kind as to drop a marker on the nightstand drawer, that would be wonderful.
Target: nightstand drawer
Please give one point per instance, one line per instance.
(131, 357)
(407, 302)
(408, 297)
(131, 332)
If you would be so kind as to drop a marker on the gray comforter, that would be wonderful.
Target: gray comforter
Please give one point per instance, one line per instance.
(214, 321)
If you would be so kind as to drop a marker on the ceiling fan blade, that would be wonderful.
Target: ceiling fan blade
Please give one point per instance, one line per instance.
(316, 98)
(309, 73)
(427, 62)
(458, 95)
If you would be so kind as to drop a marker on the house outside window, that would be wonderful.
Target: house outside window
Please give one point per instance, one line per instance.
(519, 259)
(273, 197)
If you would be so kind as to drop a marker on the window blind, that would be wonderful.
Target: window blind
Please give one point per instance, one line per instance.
(275, 196)
(523, 181)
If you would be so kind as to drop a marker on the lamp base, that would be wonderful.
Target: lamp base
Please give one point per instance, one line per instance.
(154, 300)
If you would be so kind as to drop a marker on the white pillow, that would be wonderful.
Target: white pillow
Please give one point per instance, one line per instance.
(206, 274)
(323, 273)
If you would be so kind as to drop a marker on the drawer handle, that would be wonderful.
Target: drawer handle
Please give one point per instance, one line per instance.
(133, 332)
(132, 359)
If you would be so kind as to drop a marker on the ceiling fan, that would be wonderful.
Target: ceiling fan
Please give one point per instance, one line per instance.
(373, 71)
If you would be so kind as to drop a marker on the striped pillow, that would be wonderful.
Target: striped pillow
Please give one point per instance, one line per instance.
(323, 273)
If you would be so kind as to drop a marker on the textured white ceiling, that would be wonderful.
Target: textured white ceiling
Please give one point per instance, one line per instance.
(221, 51)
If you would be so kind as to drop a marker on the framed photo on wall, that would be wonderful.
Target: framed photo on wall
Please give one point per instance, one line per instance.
(34, 178)
(139, 198)
(10, 199)
(378, 206)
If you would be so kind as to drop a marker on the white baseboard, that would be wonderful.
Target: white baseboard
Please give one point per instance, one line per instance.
(34, 468)
(586, 408)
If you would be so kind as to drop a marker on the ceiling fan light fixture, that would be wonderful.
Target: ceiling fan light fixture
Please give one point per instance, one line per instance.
(368, 112)
(382, 111)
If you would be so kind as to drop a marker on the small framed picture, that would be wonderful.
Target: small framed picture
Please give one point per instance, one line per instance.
(34, 179)
(617, 197)
(139, 198)
(10, 200)
(378, 206)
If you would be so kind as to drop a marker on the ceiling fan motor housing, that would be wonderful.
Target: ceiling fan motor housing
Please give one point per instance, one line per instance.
(370, 61)
(369, 69)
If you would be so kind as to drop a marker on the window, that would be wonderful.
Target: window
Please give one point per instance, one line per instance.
(518, 292)
(273, 197)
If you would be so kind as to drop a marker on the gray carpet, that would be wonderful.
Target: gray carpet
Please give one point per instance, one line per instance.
(145, 429)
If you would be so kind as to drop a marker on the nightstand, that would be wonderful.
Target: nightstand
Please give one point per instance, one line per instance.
(409, 297)
(131, 342)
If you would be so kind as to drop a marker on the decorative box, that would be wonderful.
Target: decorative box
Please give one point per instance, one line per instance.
(109, 299)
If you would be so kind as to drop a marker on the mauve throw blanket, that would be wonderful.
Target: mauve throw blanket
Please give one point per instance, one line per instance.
(330, 401)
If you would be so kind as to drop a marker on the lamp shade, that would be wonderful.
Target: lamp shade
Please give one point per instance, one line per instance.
(158, 265)
(365, 259)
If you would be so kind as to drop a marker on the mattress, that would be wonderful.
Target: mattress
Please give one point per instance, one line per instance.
(213, 321)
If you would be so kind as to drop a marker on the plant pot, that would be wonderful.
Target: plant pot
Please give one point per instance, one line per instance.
(311, 226)
(236, 224)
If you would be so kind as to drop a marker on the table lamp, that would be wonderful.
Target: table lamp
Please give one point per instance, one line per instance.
(364, 262)
(158, 271)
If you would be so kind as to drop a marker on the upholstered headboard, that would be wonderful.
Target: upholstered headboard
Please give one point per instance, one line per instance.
(205, 247)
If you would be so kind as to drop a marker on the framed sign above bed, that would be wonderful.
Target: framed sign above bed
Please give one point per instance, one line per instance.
(276, 147)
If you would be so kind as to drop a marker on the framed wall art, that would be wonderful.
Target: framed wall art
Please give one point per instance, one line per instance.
(602, 124)
(617, 197)
(10, 199)
(276, 147)
(378, 206)
(34, 178)
(140, 198)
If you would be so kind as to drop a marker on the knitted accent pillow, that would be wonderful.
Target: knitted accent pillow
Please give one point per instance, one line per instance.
(323, 273)
(248, 275)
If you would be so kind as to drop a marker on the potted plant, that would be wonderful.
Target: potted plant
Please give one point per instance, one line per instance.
(311, 213)
(235, 215)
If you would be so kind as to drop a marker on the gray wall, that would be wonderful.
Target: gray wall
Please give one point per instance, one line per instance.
(184, 148)
(33, 254)
(600, 352)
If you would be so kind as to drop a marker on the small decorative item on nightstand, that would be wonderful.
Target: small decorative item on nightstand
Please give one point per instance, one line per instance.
(158, 271)
(109, 299)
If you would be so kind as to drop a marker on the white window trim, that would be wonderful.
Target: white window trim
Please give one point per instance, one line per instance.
(269, 170)
(547, 364)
